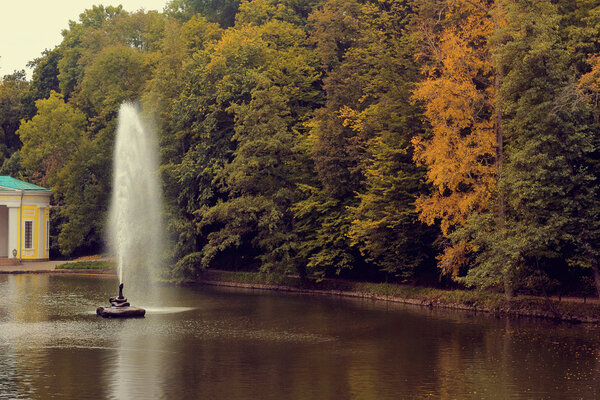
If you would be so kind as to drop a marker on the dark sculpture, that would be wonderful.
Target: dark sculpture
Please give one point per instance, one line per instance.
(120, 308)
(119, 301)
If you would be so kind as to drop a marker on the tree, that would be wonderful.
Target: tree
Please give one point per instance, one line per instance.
(463, 152)
(385, 225)
(548, 175)
(172, 66)
(83, 194)
(458, 95)
(215, 78)
(323, 223)
(219, 11)
(259, 12)
(51, 138)
(76, 40)
(106, 59)
(13, 94)
(239, 119)
(58, 153)
(168, 65)
(117, 74)
(44, 78)
(589, 83)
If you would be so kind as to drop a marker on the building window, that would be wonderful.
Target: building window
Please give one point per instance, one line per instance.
(28, 235)
(47, 235)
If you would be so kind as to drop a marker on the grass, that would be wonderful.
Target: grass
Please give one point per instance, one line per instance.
(87, 265)
(250, 277)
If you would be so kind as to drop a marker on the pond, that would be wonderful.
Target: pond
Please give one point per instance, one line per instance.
(213, 343)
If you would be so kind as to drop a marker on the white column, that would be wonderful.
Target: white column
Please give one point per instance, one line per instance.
(13, 240)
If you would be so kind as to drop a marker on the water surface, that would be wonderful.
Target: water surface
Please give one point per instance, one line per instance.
(214, 343)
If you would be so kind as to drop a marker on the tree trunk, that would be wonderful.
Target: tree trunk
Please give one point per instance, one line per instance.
(508, 289)
(596, 272)
(499, 147)
(501, 211)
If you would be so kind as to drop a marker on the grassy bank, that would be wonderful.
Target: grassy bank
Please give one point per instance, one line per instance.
(87, 265)
(456, 299)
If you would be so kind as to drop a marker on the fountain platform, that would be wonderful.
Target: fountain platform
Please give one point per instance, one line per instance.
(121, 312)
(120, 308)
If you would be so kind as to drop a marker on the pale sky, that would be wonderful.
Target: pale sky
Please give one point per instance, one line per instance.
(28, 27)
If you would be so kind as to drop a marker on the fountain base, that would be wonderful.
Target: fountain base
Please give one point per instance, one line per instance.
(120, 308)
(121, 312)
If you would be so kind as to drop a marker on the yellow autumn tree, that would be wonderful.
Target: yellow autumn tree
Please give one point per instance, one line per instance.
(458, 93)
(589, 83)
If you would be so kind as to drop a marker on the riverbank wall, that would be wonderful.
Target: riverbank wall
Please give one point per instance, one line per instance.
(571, 310)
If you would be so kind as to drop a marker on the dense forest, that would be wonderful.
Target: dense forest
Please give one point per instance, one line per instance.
(451, 142)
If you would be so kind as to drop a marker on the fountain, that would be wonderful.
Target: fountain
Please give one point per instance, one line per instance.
(135, 214)
(120, 308)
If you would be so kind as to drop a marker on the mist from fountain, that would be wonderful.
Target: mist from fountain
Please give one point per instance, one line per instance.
(136, 229)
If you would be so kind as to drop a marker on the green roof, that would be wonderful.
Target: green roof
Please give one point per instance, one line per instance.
(13, 183)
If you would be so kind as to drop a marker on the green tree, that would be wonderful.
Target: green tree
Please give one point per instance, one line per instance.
(168, 66)
(323, 223)
(50, 138)
(219, 11)
(44, 78)
(13, 166)
(75, 41)
(240, 122)
(58, 153)
(259, 12)
(117, 74)
(13, 99)
(548, 175)
(385, 226)
(83, 195)
(215, 79)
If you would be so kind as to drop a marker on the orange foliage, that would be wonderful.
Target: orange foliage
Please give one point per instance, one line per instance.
(458, 94)
(589, 83)
(591, 80)
(454, 257)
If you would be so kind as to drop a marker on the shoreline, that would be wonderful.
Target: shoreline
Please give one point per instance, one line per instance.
(471, 301)
(568, 310)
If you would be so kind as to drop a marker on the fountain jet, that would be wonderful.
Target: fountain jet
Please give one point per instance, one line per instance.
(135, 213)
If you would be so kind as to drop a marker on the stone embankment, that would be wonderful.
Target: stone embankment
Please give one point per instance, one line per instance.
(571, 310)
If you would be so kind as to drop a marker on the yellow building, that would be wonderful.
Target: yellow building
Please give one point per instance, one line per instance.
(24, 220)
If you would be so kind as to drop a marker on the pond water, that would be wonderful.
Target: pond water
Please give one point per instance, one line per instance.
(213, 343)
